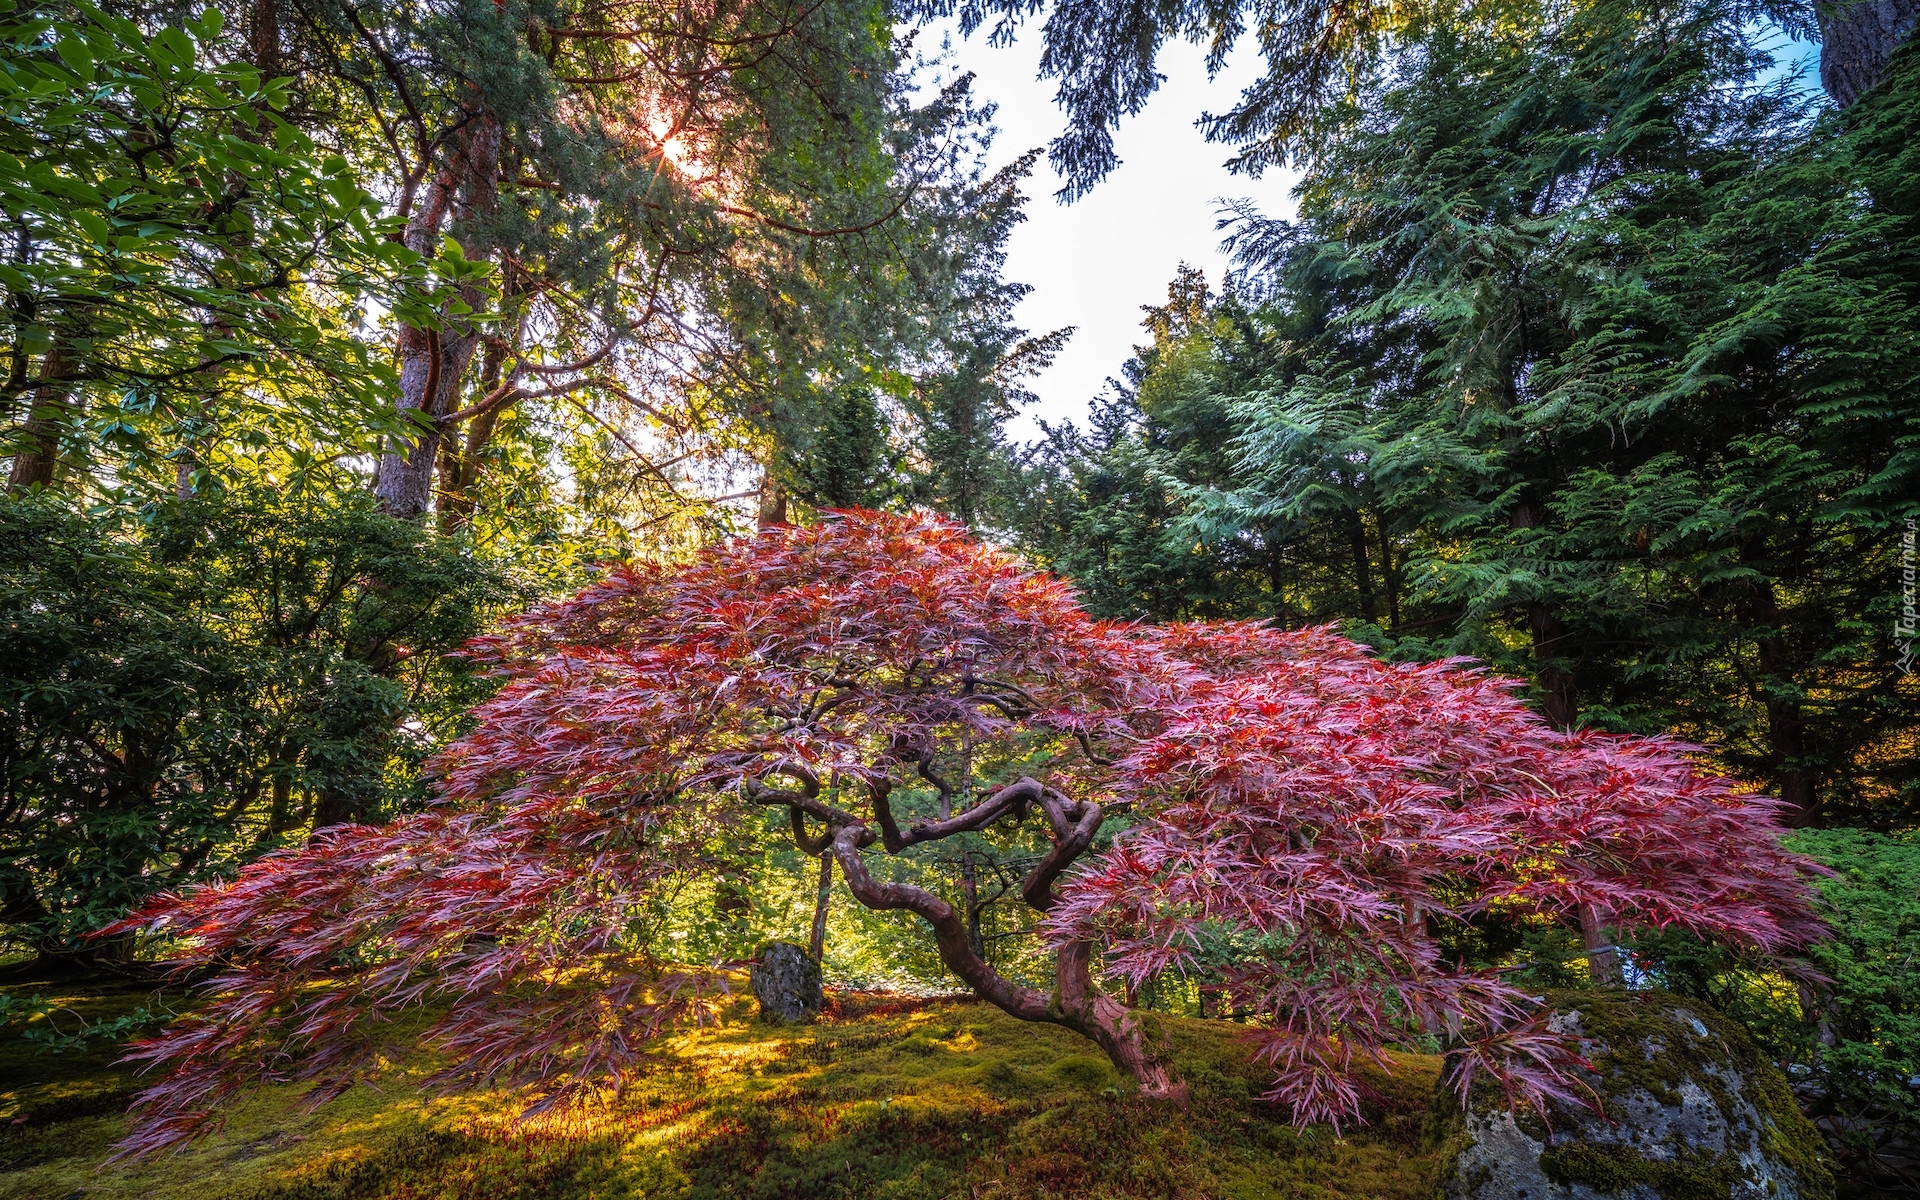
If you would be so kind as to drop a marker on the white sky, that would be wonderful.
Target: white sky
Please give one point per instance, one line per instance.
(1093, 263)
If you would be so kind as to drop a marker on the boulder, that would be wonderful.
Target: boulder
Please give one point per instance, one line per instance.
(786, 982)
(1693, 1112)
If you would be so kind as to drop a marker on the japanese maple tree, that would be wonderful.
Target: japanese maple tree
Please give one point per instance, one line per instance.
(1277, 808)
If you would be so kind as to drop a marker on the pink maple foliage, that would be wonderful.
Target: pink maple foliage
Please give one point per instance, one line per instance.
(1276, 809)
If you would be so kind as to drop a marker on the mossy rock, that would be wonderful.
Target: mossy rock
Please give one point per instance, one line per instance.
(786, 982)
(1693, 1112)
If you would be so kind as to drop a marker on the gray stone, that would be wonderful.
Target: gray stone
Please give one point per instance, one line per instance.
(786, 981)
(1693, 1112)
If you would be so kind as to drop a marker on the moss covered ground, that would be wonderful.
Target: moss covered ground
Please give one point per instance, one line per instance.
(885, 1099)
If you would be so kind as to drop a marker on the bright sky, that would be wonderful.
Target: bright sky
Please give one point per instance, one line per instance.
(1093, 263)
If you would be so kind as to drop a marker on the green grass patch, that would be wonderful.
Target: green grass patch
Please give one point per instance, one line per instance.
(897, 1102)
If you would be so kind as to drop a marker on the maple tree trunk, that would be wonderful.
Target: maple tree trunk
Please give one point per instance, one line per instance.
(1113, 1026)
(1857, 40)
(1075, 1002)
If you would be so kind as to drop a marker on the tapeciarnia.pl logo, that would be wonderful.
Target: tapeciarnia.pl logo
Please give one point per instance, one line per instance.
(1905, 626)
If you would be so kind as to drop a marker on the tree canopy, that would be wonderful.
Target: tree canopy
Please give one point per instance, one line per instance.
(554, 269)
(1277, 808)
(1319, 53)
(1600, 369)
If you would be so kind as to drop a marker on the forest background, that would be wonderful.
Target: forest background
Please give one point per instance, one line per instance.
(336, 331)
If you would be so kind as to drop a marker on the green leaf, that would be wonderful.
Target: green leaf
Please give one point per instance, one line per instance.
(76, 54)
(172, 47)
(96, 227)
(207, 27)
(277, 92)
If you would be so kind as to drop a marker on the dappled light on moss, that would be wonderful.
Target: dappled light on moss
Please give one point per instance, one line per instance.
(899, 1102)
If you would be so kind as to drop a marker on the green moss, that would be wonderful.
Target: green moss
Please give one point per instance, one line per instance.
(1651, 1047)
(38, 1088)
(1788, 1136)
(1655, 1043)
(1693, 1175)
(895, 1103)
(1084, 1071)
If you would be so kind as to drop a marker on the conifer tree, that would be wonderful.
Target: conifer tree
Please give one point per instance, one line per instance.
(1599, 365)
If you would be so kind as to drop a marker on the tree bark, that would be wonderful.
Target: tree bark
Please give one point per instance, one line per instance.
(1362, 564)
(1111, 1025)
(460, 457)
(773, 501)
(432, 361)
(970, 893)
(36, 462)
(817, 942)
(1603, 960)
(1857, 40)
(1795, 780)
(263, 38)
(334, 808)
(1389, 578)
(1559, 697)
(1075, 1002)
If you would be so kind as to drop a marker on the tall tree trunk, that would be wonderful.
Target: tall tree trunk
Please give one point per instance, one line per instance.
(970, 892)
(432, 361)
(1603, 960)
(1389, 577)
(1274, 550)
(37, 461)
(1559, 698)
(1362, 563)
(263, 38)
(1795, 779)
(263, 51)
(460, 456)
(773, 501)
(334, 807)
(1857, 40)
